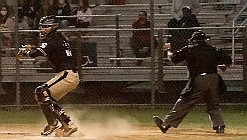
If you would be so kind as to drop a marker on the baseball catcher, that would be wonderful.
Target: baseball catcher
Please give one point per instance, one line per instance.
(56, 49)
(204, 82)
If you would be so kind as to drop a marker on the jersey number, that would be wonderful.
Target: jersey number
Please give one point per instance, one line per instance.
(43, 45)
(68, 52)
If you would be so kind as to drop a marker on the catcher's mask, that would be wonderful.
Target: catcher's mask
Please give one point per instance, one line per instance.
(186, 11)
(47, 25)
(198, 36)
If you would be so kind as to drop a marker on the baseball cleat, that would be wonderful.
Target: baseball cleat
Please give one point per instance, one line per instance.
(219, 129)
(70, 130)
(49, 129)
(159, 122)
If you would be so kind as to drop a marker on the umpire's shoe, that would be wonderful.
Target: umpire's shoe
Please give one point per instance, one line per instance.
(219, 129)
(159, 122)
(50, 129)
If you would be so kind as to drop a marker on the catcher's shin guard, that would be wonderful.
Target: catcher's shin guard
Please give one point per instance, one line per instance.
(47, 109)
(61, 114)
(68, 127)
(46, 105)
(62, 117)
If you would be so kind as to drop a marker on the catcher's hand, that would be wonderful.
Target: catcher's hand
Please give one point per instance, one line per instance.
(24, 51)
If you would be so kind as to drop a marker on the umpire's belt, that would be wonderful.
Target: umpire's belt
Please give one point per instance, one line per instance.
(201, 74)
(204, 73)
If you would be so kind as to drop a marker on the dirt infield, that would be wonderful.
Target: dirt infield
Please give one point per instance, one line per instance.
(96, 131)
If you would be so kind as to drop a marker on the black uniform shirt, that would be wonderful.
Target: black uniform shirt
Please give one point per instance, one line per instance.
(201, 58)
(58, 52)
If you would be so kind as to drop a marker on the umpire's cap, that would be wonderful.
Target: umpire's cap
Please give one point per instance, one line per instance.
(199, 36)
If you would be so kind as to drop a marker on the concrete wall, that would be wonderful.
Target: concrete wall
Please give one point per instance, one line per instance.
(131, 1)
(148, 1)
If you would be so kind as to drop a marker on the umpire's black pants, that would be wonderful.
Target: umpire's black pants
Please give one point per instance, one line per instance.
(204, 86)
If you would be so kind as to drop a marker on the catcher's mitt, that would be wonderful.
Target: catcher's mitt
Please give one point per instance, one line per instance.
(24, 51)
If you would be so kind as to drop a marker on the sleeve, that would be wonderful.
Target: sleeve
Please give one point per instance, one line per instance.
(89, 18)
(180, 55)
(223, 57)
(9, 24)
(134, 25)
(194, 21)
(35, 53)
(148, 24)
(45, 48)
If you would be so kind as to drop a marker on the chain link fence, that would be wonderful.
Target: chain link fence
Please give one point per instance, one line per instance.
(108, 65)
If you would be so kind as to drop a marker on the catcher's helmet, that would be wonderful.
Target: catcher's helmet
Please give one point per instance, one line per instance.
(199, 36)
(47, 22)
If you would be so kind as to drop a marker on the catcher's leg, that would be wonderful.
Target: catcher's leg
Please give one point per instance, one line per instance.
(61, 115)
(68, 127)
(46, 105)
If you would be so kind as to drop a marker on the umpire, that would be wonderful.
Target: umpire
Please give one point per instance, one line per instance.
(204, 82)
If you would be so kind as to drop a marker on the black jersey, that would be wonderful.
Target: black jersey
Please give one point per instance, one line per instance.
(202, 58)
(58, 52)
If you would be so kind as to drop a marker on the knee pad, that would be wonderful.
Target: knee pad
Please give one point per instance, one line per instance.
(41, 92)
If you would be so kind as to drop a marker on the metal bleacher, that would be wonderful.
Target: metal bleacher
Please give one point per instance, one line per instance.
(162, 14)
(104, 73)
(108, 70)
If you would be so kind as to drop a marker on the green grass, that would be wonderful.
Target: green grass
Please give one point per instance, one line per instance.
(234, 116)
(20, 116)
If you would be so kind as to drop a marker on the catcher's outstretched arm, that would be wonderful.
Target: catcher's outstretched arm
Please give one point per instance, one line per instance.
(24, 50)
